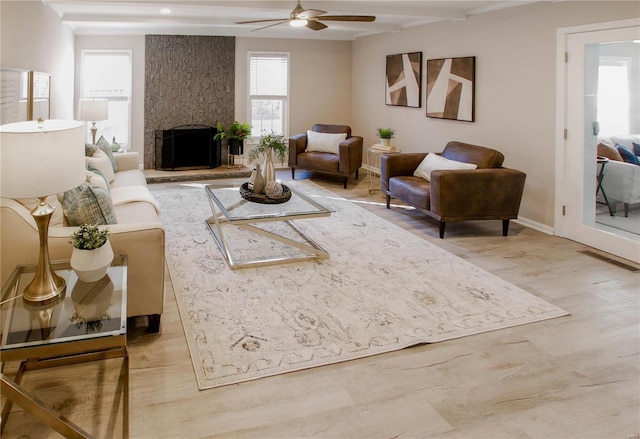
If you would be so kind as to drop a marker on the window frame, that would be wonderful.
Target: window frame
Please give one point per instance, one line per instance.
(128, 99)
(284, 99)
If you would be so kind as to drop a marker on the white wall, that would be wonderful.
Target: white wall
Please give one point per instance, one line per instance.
(515, 53)
(136, 44)
(32, 37)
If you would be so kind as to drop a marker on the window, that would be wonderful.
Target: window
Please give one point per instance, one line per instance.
(613, 95)
(107, 74)
(268, 92)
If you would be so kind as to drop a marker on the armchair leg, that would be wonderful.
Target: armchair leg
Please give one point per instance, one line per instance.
(505, 227)
(357, 173)
(344, 181)
(293, 173)
(626, 210)
(441, 229)
(154, 323)
(388, 201)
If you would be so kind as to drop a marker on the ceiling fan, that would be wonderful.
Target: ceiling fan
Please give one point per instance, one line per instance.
(310, 18)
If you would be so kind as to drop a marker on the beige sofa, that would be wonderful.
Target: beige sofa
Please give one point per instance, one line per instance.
(139, 235)
(620, 179)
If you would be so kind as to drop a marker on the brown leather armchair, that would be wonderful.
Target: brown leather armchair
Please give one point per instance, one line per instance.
(487, 192)
(346, 162)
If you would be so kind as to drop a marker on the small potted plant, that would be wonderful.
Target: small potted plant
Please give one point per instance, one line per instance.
(92, 253)
(236, 134)
(385, 135)
(270, 142)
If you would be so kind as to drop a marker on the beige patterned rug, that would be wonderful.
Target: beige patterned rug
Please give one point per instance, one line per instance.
(383, 289)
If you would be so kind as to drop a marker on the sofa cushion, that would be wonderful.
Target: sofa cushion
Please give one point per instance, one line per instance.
(415, 190)
(57, 218)
(132, 177)
(627, 155)
(434, 162)
(101, 162)
(131, 213)
(324, 142)
(321, 161)
(88, 204)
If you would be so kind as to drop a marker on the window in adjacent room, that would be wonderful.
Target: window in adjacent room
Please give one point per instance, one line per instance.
(613, 95)
(106, 74)
(268, 92)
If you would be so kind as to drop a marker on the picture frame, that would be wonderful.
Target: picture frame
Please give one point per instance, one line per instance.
(403, 80)
(451, 84)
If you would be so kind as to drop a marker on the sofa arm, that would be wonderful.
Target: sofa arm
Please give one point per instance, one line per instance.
(297, 145)
(126, 161)
(392, 165)
(493, 193)
(350, 153)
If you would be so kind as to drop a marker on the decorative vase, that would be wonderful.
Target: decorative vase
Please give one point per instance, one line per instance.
(92, 265)
(256, 182)
(268, 170)
(385, 142)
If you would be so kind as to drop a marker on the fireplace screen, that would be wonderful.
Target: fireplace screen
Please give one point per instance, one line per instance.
(187, 147)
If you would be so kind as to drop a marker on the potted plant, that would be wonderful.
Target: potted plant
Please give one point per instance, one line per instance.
(92, 253)
(385, 135)
(236, 134)
(270, 142)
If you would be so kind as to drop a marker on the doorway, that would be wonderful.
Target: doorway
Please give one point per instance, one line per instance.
(598, 101)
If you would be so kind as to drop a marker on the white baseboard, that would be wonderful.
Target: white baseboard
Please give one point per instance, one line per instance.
(534, 225)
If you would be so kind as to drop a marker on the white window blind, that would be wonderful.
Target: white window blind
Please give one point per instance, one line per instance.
(268, 92)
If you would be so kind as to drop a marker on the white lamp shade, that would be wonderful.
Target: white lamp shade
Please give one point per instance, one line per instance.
(93, 109)
(40, 159)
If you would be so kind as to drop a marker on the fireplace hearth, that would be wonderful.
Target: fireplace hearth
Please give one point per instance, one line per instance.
(187, 147)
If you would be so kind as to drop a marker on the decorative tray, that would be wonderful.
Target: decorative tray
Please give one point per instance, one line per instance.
(248, 194)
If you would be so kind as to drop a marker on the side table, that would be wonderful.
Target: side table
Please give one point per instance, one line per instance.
(373, 164)
(602, 161)
(88, 323)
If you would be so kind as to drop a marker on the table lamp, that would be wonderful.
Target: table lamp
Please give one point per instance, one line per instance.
(37, 159)
(93, 110)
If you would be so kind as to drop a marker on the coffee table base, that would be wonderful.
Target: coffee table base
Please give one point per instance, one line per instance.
(312, 249)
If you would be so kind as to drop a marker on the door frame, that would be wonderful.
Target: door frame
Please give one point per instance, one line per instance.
(562, 225)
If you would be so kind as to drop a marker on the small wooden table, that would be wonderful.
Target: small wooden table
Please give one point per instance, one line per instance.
(88, 323)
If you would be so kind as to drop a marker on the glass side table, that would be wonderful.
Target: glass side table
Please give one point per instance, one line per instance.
(88, 323)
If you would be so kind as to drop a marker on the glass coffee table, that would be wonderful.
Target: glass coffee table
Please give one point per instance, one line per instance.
(230, 209)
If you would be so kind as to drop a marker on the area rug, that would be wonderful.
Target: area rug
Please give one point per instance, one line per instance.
(382, 289)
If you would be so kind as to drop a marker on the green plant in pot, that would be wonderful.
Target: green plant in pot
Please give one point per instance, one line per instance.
(92, 253)
(385, 135)
(269, 144)
(236, 134)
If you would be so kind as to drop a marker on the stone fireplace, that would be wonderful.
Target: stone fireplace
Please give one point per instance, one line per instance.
(189, 81)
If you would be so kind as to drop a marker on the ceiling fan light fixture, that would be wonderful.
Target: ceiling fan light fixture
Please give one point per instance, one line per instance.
(298, 22)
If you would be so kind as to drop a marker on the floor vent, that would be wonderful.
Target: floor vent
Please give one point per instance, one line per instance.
(627, 265)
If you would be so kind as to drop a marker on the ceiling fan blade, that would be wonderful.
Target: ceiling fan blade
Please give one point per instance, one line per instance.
(262, 21)
(315, 25)
(364, 18)
(271, 25)
(310, 13)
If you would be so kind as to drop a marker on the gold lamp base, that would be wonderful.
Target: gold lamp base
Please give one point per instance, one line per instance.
(46, 286)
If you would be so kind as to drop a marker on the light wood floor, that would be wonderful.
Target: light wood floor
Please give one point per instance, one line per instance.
(571, 377)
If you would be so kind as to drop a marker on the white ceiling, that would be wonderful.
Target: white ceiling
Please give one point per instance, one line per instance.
(204, 17)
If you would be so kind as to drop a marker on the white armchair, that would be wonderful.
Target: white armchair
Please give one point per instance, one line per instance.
(621, 183)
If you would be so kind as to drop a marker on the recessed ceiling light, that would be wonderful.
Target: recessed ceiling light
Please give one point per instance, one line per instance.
(165, 11)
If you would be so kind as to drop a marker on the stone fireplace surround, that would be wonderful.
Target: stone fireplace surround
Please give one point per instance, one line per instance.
(188, 80)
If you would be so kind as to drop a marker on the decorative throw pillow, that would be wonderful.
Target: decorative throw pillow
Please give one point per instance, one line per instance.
(608, 151)
(101, 162)
(636, 149)
(627, 155)
(106, 148)
(324, 142)
(88, 204)
(90, 150)
(433, 162)
(95, 178)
